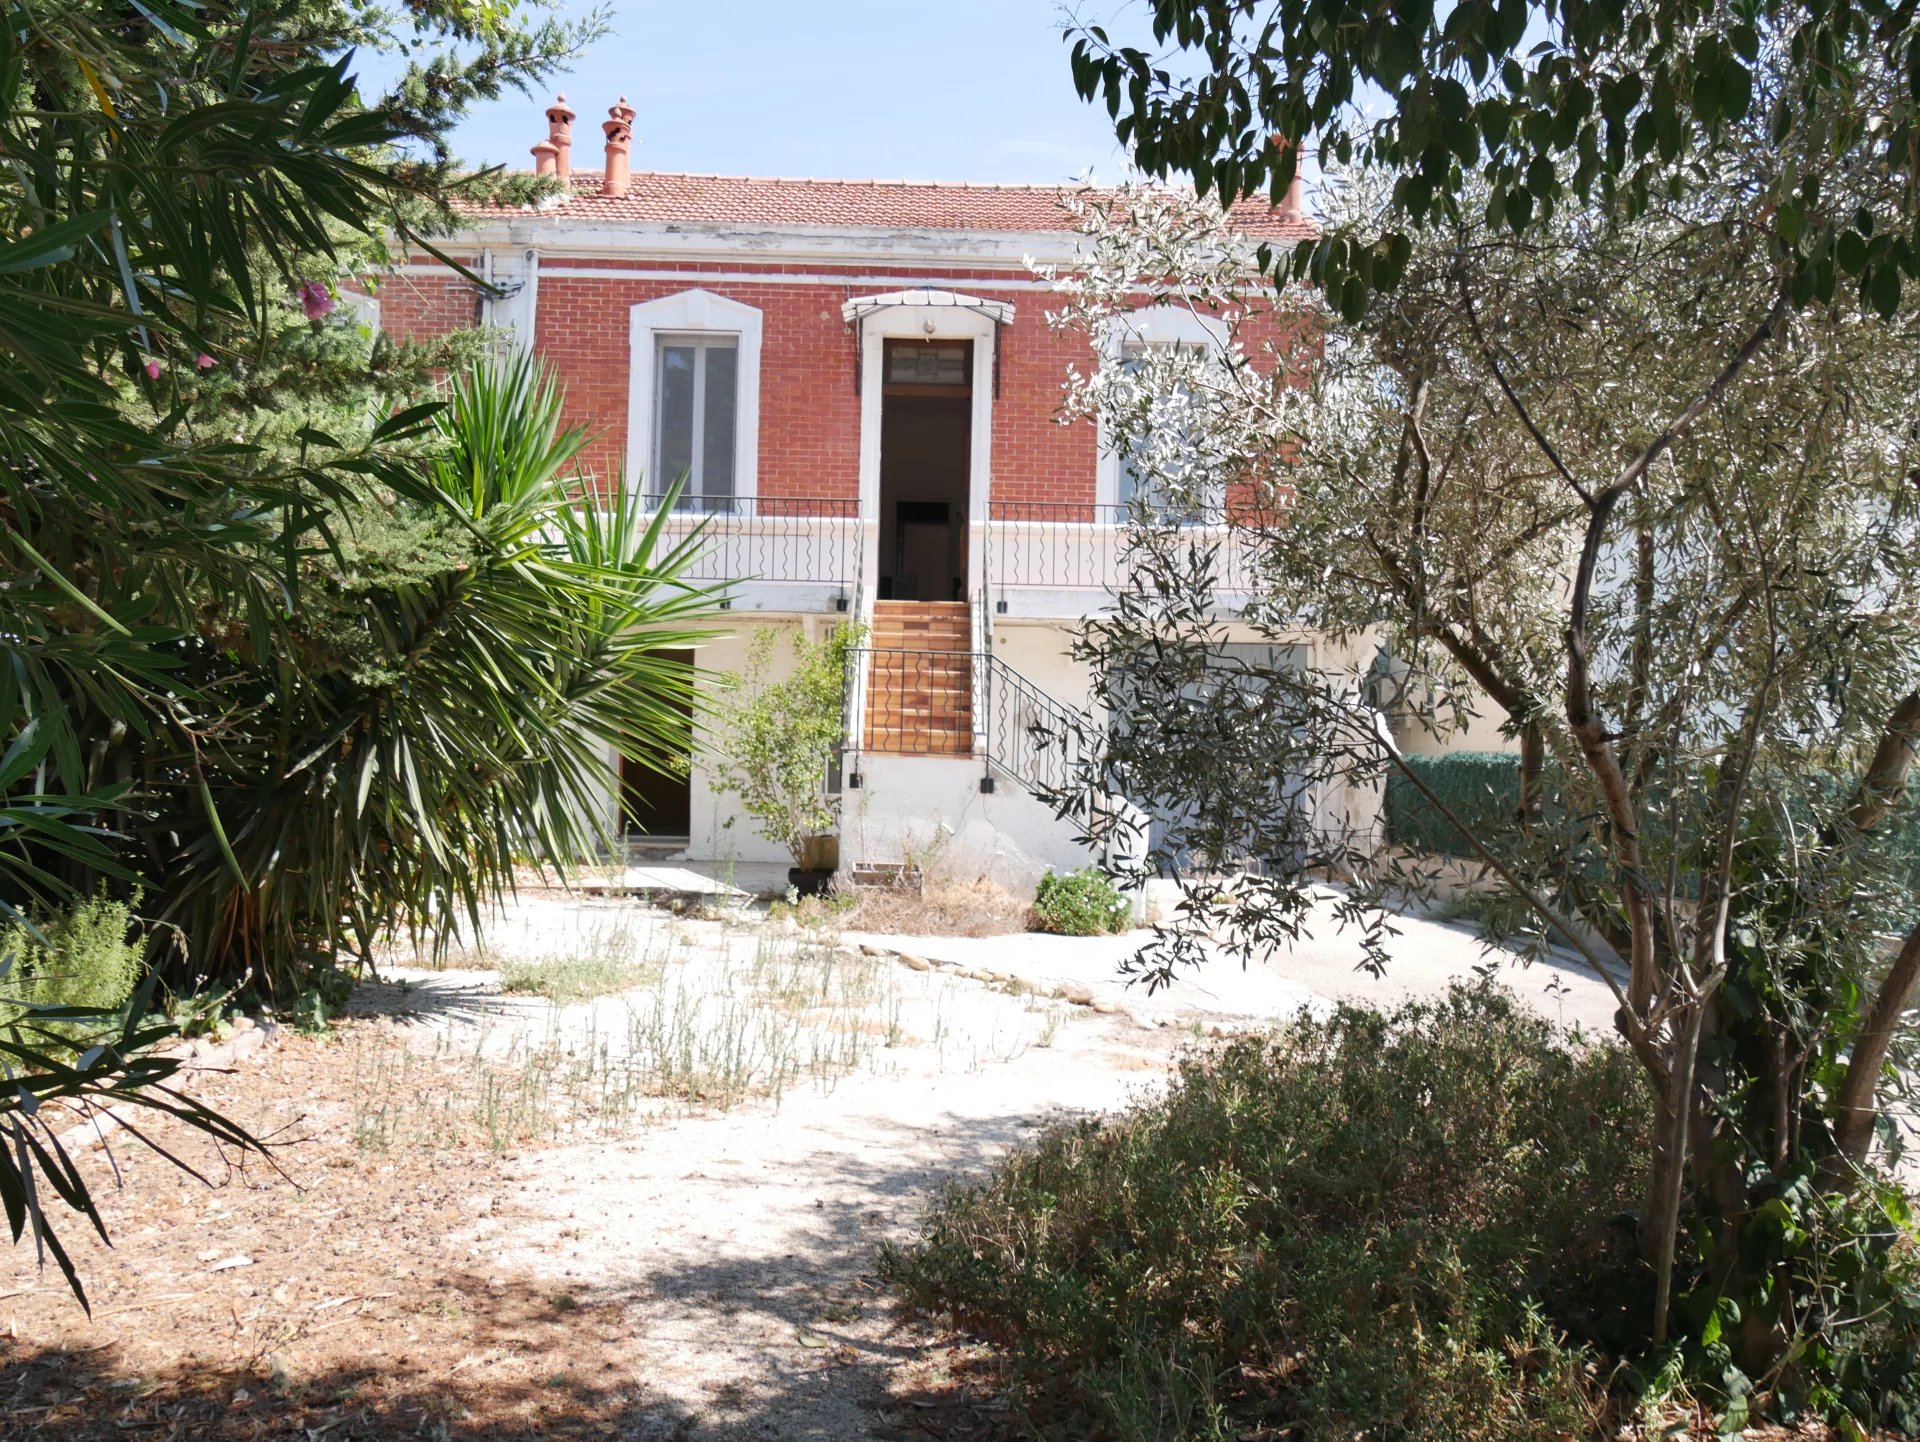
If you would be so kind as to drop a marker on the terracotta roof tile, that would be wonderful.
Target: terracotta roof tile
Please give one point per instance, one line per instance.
(668, 197)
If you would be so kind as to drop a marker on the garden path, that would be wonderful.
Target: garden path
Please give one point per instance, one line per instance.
(493, 1236)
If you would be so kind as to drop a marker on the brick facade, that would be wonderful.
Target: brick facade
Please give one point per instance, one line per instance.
(809, 408)
(415, 306)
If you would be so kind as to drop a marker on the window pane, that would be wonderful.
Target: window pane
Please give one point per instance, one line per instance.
(716, 460)
(914, 363)
(1135, 484)
(673, 420)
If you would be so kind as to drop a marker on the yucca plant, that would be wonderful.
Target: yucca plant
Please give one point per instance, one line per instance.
(182, 181)
(442, 715)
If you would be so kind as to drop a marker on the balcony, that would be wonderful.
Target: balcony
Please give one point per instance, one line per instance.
(1037, 559)
(781, 553)
(1056, 558)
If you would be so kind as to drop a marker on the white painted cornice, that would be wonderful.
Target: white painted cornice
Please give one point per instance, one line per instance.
(714, 241)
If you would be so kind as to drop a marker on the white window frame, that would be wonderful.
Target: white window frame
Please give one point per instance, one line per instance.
(703, 343)
(1148, 326)
(693, 313)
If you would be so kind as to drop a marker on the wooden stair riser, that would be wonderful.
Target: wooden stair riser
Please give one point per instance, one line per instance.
(921, 626)
(919, 703)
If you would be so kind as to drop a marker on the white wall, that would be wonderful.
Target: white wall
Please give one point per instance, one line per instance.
(905, 802)
(1481, 733)
(1039, 651)
(912, 807)
(719, 830)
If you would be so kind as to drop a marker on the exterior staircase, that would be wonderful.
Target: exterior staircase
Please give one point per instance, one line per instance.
(920, 679)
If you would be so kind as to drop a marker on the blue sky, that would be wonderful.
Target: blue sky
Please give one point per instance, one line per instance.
(911, 89)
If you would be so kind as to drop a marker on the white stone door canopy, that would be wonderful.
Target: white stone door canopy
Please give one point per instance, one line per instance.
(856, 311)
(862, 306)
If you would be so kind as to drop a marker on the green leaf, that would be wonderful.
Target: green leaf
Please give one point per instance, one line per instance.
(50, 244)
(1884, 285)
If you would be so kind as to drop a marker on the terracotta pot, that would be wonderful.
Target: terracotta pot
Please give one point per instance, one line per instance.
(819, 853)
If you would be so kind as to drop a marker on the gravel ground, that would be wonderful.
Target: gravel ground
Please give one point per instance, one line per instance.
(644, 1215)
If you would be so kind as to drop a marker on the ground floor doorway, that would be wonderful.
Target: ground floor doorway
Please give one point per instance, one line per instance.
(926, 429)
(656, 802)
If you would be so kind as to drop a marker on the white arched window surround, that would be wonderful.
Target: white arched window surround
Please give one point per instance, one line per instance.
(1164, 324)
(691, 312)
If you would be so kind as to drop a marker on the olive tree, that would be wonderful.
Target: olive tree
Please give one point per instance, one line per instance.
(1607, 481)
(1515, 109)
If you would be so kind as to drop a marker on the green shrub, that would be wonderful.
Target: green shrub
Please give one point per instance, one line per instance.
(1364, 1226)
(1482, 788)
(91, 956)
(775, 741)
(1080, 903)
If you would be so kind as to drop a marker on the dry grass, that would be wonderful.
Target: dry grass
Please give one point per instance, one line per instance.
(922, 906)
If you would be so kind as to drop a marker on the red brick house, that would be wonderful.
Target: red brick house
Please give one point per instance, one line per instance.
(859, 383)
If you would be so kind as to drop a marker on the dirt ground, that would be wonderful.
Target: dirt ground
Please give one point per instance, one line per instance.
(503, 1269)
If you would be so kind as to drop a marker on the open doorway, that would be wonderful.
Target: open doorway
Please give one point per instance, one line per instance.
(926, 426)
(657, 804)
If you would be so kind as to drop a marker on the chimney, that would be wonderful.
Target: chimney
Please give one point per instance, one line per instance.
(560, 137)
(619, 128)
(546, 158)
(1294, 207)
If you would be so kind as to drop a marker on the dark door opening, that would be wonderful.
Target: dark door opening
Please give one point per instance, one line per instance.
(657, 802)
(926, 427)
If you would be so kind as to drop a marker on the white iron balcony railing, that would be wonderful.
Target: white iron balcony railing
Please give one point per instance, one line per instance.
(807, 544)
(1041, 553)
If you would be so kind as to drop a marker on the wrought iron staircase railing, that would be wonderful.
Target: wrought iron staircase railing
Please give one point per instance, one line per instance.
(963, 704)
(1026, 734)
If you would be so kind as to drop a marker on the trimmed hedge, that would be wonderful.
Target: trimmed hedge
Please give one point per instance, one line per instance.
(1482, 788)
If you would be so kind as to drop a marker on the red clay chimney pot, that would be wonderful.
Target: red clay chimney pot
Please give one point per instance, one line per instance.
(619, 129)
(1294, 207)
(560, 136)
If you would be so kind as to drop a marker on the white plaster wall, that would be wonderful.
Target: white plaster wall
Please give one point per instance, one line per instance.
(905, 801)
(921, 806)
(1039, 651)
(1481, 733)
(1351, 810)
(719, 830)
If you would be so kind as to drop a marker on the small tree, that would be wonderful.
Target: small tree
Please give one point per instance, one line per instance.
(776, 739)
(1609, 476)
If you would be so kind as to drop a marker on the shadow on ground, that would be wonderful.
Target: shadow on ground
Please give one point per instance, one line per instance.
(503, 1394)
(778, 1333)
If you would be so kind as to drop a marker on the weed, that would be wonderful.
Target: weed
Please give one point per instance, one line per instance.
(82, 956)
(565, 979)
(708, 1032)
(1049, 1028)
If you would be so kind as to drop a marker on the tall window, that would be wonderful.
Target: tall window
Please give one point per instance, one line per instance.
(1173, 465)
(696, 405)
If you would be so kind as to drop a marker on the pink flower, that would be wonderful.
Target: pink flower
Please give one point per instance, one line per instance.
(204, 361)
(314, 299)
(153, 370)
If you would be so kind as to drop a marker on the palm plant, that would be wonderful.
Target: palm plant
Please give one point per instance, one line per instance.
(436, 724)
(176, 173)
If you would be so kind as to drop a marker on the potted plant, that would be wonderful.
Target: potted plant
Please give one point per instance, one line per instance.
(775, 741)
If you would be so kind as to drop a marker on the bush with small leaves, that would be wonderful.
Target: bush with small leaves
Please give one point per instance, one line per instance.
(1393, 1227)
(86, 955)
(1080, 903)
